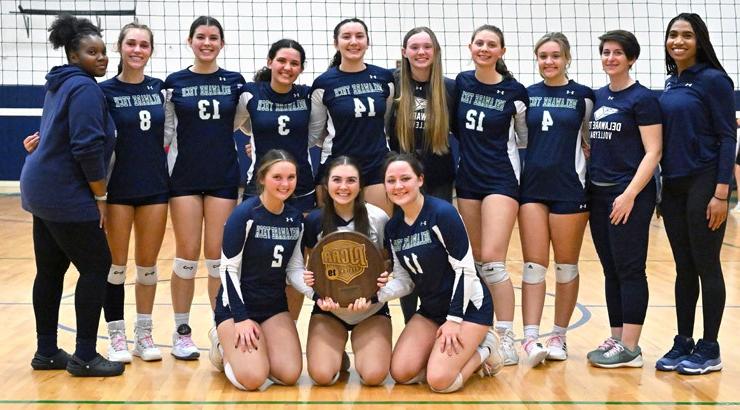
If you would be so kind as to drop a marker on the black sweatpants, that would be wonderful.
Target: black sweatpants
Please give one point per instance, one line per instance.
(56, 244)
(622, 250)
(696, 251)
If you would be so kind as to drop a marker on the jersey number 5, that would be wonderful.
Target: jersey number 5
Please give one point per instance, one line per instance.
(360, 107)
(473, 116)
(277, 255)
(203, 110)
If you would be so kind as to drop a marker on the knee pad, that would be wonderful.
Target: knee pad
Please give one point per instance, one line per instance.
(229, 372)
(213, 266)
(494, 272)
(533, 273)
(147, 275)
(184, 268)
(455, 386)
(565, 273)
(117, 274)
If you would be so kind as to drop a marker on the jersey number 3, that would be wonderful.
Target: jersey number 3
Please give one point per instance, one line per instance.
(283, 125)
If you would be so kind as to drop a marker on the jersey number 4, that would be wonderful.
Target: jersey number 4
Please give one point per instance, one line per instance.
(546, 120)
(360, 107)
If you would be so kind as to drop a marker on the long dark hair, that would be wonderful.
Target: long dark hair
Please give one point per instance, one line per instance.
(704, 49)
(329, 214)
(264, 73)
(67, 31)
(337, 59)
(500, 64)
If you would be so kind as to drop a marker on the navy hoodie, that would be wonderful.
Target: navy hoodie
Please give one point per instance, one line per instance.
(698, 123)
(77, 140)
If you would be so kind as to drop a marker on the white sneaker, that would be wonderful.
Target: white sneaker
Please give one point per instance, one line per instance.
(494, 363)
(557, 349)
(118, 348)
(535, 353)
(506, 348)
(183, 347)
(215, 353)
(144, 346)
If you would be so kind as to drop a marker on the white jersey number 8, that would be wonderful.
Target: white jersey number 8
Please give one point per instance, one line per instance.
(145, 120)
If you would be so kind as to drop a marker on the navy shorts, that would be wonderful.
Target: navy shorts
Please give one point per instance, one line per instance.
(157, 199)
(225, 193)
(559, 207)
(482, 316)
(463, 193)
(223, 313)
(384, 311)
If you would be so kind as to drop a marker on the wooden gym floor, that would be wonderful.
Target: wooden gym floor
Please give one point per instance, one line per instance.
(178, 384)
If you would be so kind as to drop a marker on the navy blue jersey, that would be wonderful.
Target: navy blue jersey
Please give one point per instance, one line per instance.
(491, 125)
(616, 143)
(436, 253)
(348, 113)
(200, 117)
(279, 121)
(557, 124)
(438, 169)
(258, 249)
(698, 123)
(140, 166)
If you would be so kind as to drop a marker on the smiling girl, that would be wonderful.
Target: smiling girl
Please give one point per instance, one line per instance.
(204, 173)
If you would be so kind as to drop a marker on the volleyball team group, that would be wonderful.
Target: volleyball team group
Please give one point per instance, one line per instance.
(98, 167)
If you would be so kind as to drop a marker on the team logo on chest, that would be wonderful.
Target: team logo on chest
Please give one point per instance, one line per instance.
(345, 259)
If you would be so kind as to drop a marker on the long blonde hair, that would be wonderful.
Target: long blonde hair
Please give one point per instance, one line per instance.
(437, 124)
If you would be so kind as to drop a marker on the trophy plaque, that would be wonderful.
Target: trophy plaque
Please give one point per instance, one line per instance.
(346, 266)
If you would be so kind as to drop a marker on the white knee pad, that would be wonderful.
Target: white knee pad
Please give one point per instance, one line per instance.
(455, 386)
(213, 266)
(184, 268)
(494, 272)
(533, 273)
(229, 372)
(147, 275)
(565, 273)
(117, 274)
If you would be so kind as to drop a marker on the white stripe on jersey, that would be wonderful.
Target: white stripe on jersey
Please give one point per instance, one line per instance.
(233, 266)
(328, 144)
(583, 135)
(465, 268)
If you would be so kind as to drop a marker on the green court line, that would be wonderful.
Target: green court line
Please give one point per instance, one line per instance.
(381, 403)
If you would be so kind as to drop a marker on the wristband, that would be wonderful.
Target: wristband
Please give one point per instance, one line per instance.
(721, 199)
(103, 197)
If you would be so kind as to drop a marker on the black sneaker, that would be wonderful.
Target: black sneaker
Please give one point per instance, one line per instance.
(682, 348)
(97, 367)
(56, 362)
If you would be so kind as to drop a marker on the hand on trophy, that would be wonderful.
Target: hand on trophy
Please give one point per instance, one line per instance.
(308, 278)
(327, 304)
(382, 279)
(359, 305)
